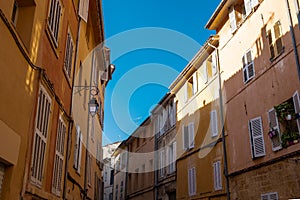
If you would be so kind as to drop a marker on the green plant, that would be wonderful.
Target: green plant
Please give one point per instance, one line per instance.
(284, 109)
(295, 135)
(285, 139)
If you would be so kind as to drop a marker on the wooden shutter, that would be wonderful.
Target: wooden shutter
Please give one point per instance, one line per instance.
(84, 9)
(195, 83)
(232, 19)
(248, 8)
(297, 107)
(214, 123)
(271, 46)
(245, 71)
(278, 41)
(79, 152)
(185, 92)
(273, 122)
(161, 167)
(217, 175)
(174, 156)
(214, 62)
(250, 64)
(40, 136)
(192, 181)
(76, 147)
(191, 135)
(257, 139)
(2, 171)
(270, 196)
(185, 133)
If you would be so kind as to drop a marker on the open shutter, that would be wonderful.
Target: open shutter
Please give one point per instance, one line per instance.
(195, 83)
(84, 9)
(79, 152)
(232, 19)
(174, 156)
(214, 62)
(257, 139)
(248, 7)
(273, 122)
(245, 71)
(278, 39)
(2, 170)
(254, 3)
(250, 64)
(273, 196)
(214, 123)
(297, 107)
(185, 91)
(185, 132)
(76, 147)
(191, 135)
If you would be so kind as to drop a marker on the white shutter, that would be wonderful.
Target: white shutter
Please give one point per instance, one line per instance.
(84, 9)
(269, 196)
(185, 133)
(174, 156)
(192, 181)
(297, 107)
(161, 167)
(191, 135)
(248, 7)
(232, 19)
(254, 3)
(214, 123)
(273, 122)
(40, 136)
(217, 175)
(214, 62)
(185, 92)
(195, 83)
(257, 139)
(80, 152)
(2, 170)
(76, 148)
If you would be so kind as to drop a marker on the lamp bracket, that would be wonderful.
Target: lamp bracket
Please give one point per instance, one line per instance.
(94, 90)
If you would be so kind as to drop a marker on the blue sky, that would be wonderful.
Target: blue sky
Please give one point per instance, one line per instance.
(150, 42)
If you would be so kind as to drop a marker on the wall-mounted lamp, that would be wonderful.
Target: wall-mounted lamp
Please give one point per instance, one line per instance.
(93, 106)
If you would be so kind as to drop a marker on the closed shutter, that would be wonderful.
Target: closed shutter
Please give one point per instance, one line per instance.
(297, 107)
(2, 170)
(84, 9)
(270, 196)
(273, 122)
(40, 137)
(217, 175)
(191, 135)
(185, 132)
(232, 19)
(192, 181)
(214, 123)
(250, 64)
(257, 139)
(195, 83)
(248, 8)
(59, 158)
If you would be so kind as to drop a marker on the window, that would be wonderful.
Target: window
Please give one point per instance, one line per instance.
(211, 66)
(69, 55)
(172, 113)
(191, 87)
(84, 9)
(121, 190)
(54, 16)
(270, 196)
(59, 157)
(116, 193)
(112, 177)
(297, 11)
(188, 136)
(248, 66)
(2, 171)
(172, 157)
(217, 175)
(256, 137)
(192, 181)
(232, 19)
(249, 5)
(40, 136)
(78, 150)
(161, 163)
(214, 123)
(274, 125)
(275, 40)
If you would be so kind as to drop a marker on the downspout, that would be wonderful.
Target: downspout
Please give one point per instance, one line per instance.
(222, 122)
(288, 10)
(126, 175)
(69, 136)
(155, 168)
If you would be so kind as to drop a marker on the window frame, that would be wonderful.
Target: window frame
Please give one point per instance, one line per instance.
(254, 138)
(272, 41)
(52, 18)
(247, 64)
(69, 54)
(217, 175)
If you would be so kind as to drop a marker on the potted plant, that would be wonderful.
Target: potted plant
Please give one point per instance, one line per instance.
(272, 133)
(285, 111)
(286, 139)
(295, 137)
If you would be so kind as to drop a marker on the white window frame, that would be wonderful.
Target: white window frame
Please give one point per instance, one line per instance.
(257, 138)
(59, 157)
(192, 184)
(214, 123)
(217, 175)
(54, 18)
(42, 122)
(269, 196)
(247, 64)
(276, 141)
(172, 157)
(162, 163)
(68, 62)
(189, 136)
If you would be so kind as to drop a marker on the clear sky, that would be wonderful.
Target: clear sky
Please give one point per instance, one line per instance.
(150, 42)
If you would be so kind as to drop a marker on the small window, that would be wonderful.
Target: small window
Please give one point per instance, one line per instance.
(191, 87)
(54, 17)
(270, 196)
(275, 40)
(188, 136)
(192, 181)
(256, 138)
(214, 123)
(248, 66)
(217, 175)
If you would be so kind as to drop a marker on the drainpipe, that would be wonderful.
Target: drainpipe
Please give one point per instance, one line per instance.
(155, 168)
(288, 10)
(222, 122)
(69, 136)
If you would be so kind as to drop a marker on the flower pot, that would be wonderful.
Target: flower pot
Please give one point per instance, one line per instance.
(288, 117)
(295, 141)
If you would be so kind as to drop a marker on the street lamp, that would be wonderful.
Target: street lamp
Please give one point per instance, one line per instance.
(93, 106)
